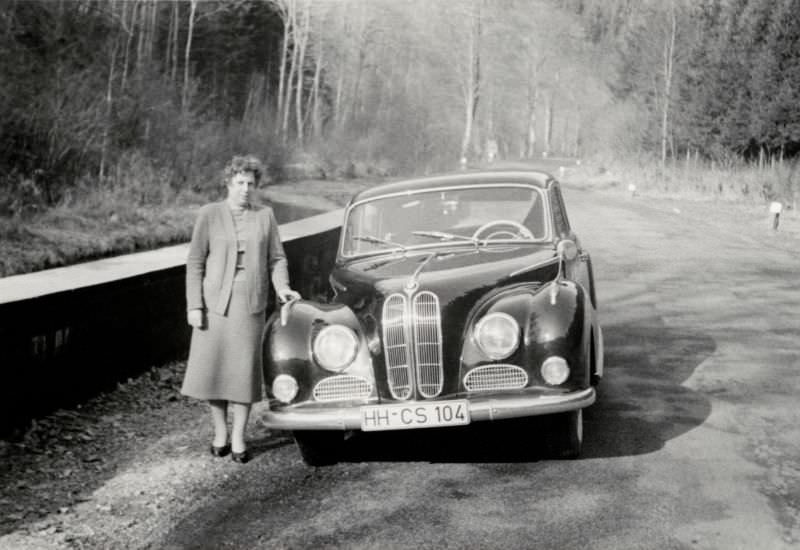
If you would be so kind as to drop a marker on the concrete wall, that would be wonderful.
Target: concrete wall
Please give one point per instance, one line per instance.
(67, 334)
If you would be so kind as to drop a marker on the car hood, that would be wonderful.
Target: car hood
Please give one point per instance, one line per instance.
(451, 273)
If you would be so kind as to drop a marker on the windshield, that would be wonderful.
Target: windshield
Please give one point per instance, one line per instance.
(473, 215)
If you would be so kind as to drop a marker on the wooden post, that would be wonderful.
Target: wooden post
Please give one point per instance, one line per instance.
(775, 214)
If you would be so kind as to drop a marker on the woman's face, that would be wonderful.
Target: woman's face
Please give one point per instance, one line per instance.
(240, 187)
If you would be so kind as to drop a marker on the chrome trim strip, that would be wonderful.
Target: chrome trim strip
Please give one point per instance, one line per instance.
(480, 409)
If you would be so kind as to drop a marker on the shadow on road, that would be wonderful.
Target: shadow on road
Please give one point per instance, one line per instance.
(641, 405)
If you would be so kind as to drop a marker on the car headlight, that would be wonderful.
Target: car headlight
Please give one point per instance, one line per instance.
(335, 347)
(497, 334)
(555, 370)
(284, 388)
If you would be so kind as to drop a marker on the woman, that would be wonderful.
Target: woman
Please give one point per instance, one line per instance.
(234, 253)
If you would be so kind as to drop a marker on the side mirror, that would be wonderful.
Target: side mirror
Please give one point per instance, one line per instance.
(567, 249)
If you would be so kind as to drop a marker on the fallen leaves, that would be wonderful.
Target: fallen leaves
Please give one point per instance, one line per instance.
(60, 459)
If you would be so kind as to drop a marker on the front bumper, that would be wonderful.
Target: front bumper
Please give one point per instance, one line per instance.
(480, 409)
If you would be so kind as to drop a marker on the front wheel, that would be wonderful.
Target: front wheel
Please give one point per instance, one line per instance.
(565, 438)
(319, 447)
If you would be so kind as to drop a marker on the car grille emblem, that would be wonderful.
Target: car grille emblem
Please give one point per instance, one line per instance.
(412, 335)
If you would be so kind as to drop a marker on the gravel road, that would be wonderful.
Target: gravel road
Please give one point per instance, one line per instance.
(693, 442)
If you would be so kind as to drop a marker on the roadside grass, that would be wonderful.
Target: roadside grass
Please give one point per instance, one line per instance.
(746, 183)
(91, 224)
(739, 191)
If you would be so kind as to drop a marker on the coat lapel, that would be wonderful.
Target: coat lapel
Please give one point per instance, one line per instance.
(227, 222)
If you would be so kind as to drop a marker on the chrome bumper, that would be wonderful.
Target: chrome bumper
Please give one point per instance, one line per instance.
(480, 409)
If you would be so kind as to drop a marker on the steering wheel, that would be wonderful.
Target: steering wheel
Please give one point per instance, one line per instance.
(521, 233)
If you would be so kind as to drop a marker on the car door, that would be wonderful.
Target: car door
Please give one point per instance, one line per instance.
(579, 269)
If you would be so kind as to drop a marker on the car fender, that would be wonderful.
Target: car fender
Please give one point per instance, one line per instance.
(288, 339)
(549, 327)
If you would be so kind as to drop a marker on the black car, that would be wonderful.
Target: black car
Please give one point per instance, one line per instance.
(456, 299)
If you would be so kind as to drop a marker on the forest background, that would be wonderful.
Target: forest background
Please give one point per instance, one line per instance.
(116, 116)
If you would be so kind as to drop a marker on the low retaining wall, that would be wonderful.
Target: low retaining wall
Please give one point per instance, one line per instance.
(69, 333)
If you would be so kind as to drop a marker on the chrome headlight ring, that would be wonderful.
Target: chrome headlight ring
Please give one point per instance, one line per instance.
(335, 347)
(497, 335)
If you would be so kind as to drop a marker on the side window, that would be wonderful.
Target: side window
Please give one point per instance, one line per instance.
(563, 209)
(559, 212)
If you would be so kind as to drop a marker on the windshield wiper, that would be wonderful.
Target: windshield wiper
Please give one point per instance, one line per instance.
(444, 236)
(376, 240)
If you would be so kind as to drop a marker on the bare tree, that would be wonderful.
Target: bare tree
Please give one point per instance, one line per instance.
(187, 56)
(669, 60)
(283, 8)
(302, 41)
(293, 33)
(109, 97)
(471, 76)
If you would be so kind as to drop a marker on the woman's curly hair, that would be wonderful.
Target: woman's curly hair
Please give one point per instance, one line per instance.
(243, 163)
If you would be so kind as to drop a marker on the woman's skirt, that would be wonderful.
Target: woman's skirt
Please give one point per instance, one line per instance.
(225, 356)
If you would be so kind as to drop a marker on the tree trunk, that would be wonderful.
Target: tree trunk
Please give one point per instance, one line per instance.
(187, 56)
(534, 67)
(152, 35)
(168, 43)
(176, 13)
(301, 58)
(669, 54)
(129, 29)
(533, 96)
(284, 14)
(548, 122)
(141, 24)
(339, 100)
(109, 104)
(316, 120)
(292, 69)
(473, 79)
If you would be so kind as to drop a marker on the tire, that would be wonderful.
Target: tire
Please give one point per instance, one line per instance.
(594, 377)
(319, 447)
(565, 439)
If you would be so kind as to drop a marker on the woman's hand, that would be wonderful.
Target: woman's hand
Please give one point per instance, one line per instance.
(195, 318)
(287, 295)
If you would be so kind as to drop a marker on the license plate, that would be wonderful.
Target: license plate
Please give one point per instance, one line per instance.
(416, 415)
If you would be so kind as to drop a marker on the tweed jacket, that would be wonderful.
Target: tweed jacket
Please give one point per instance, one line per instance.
(211, 263)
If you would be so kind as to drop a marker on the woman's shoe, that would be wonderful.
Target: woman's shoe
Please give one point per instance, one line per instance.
(241, 458)
(220, 451)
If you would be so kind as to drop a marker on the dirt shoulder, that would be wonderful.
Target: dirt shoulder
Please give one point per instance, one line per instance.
(117, 472)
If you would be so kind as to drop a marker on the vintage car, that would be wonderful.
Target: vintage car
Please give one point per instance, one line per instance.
(455, 299)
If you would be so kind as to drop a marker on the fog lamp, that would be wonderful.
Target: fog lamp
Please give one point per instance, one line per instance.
(335, 347)
(497, 334)
(284, 388)
(555, 370)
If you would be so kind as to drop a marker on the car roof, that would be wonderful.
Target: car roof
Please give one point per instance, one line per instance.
(535, 178)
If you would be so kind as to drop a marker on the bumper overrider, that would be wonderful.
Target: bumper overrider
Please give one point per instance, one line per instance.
(480, 409)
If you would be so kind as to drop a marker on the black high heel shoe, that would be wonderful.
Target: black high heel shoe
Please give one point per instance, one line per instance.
(241, 458)
(220, 451)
